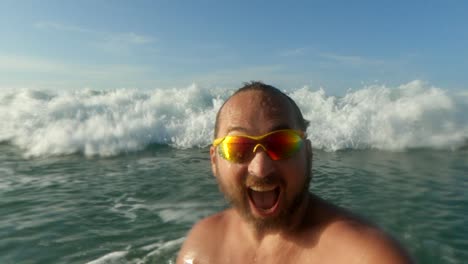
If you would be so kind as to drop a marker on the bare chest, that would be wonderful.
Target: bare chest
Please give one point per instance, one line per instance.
(275, 258)
(279, 255)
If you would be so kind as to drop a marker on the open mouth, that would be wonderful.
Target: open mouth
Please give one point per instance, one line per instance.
(264, 199)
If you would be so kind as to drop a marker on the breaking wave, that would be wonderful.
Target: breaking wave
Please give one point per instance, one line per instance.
(106, 123)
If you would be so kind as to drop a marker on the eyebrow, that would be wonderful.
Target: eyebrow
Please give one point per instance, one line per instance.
(280, 127)
(236, 128)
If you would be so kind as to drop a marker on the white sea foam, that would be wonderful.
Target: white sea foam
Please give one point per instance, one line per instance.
(157, 250)
(184, 215)
(181, 212)
(412, 115)
(151, 252)
(107, 123)
(111, 258)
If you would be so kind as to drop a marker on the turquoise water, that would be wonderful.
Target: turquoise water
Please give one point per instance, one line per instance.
(137, 207)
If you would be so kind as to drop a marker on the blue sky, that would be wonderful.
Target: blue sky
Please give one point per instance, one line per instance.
(336, 45)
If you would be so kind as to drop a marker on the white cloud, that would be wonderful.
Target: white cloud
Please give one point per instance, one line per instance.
(463, 94)
(350, 60)
(134, 38)
(114, 42)
(246, 73)
(293, 52)
(61, 27)
(24, 71)
(129, 38)
(122, 43)
(14, 63)
(277, 74)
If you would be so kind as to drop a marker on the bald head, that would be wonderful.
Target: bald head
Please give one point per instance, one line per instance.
(271, 99)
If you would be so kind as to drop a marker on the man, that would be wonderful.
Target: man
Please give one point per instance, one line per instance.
(262, 160)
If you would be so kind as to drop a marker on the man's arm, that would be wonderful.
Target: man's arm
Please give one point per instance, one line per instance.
(358, 240)
(190, 247)
(364, 244)
(200, 244)
(383, 249)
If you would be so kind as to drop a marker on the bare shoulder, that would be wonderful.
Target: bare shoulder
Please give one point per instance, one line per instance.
(202, 239)
(364, 243)
(358, 240)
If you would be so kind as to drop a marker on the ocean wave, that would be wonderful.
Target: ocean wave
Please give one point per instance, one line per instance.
(111, 122)
(413, 115)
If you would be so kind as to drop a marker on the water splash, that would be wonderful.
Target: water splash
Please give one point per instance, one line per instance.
(106, 123)
(412, 115)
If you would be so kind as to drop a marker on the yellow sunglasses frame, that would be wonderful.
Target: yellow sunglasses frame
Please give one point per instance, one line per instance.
(218, 141)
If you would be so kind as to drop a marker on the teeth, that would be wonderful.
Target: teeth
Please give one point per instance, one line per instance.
(262, 188)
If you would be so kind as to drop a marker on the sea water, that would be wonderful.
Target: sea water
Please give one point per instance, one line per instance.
(120, 176)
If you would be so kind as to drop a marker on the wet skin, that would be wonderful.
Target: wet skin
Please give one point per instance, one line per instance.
(274, 219)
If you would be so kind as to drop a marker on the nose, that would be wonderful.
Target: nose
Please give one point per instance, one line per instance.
(261, 164)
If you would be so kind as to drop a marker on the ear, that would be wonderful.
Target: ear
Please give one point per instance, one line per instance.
(309, 155)
(214, 160)
(309, 149)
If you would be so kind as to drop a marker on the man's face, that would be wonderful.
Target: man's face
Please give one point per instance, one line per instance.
(265, 192)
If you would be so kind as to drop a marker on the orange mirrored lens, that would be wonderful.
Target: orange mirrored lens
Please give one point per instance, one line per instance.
(279, 144)
(282, 145)
(237, 149)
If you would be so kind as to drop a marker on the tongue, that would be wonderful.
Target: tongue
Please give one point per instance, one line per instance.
(264, 200)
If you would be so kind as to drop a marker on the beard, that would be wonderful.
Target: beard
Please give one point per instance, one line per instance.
(238, 197)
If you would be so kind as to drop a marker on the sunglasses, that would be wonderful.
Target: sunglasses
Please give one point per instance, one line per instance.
(278, 144)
